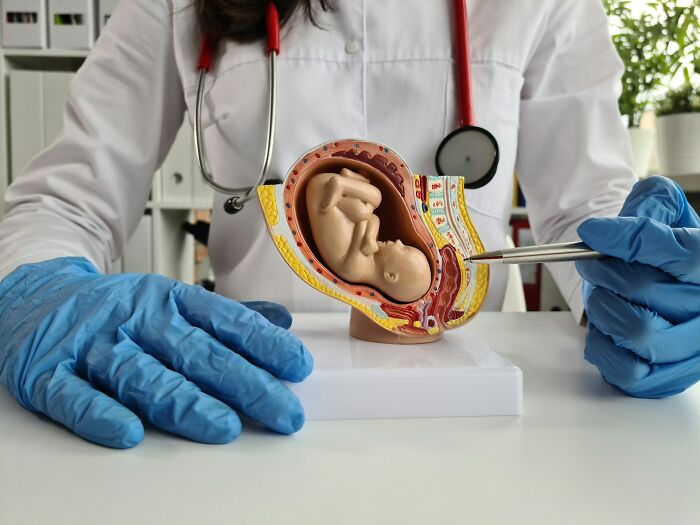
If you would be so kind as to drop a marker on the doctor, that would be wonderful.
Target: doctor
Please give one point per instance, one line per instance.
(102, 354)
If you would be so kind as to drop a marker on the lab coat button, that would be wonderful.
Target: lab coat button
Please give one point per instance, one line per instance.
(353, 46)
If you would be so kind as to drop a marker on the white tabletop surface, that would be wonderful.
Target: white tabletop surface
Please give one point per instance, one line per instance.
(581, 453)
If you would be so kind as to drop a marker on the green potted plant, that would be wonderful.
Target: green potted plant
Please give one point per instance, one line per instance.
(640, 41)
(678, 113)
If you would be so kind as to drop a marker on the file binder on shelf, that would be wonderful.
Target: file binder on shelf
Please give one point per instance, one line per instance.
(71, 24)
(24, 23)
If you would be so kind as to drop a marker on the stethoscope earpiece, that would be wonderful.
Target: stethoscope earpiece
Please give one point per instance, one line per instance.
(233, 205)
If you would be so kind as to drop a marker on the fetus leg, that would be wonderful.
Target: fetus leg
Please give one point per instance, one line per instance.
(356, 210)
(339, 187)
(345, 172)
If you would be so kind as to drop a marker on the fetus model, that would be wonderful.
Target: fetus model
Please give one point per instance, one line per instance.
(345, 230)
(353, 222)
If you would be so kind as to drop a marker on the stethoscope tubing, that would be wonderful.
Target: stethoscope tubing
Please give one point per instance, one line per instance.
(239, 196)
(466, 112)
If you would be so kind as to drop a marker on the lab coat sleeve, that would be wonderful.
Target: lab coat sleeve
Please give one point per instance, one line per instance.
(86, 193)
(573, 159)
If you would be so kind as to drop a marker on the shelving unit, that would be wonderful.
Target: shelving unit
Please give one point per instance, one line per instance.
(172, 250)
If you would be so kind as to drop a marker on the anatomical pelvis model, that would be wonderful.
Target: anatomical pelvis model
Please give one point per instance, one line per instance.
(353, 222)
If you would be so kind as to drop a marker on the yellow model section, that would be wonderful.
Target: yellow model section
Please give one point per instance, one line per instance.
(266, 195)
(482, 270)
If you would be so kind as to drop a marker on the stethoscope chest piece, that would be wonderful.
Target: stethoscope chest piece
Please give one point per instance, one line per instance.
(469, 152)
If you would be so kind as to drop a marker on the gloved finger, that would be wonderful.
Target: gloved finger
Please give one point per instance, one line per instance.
(662, 200)
(632, 375)
(161, 396)
(618, 366)
(73, 402)
(223, 374)
(248, 333)
(273, 312)
(676, 251)
(644, 285)
(642, 331)
(669, 379)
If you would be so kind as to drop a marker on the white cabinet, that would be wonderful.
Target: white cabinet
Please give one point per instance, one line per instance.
(138, 255)
(181, 180)
(26, 119)
(37, 99)
(176, 171)
(105, 10)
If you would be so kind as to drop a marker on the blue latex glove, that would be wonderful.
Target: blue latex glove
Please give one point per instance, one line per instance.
(643, 306)
(99, 353)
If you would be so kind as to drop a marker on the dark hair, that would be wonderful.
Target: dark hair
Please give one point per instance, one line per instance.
(244, 20)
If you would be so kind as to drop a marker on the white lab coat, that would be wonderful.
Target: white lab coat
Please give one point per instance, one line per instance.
(544, 77)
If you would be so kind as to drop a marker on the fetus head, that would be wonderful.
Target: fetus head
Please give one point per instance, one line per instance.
(401, 271)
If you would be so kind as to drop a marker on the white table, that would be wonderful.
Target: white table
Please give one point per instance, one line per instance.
(582, 453)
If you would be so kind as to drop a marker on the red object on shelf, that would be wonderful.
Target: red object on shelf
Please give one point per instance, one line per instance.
(531, 273)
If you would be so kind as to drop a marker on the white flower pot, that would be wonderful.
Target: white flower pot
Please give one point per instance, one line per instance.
(678, 140)
(642, 144)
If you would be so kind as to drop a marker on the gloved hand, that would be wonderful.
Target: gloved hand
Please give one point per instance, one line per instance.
(98, 352)
(643, 306)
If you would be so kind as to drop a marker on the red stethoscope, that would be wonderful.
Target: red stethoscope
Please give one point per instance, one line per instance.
(470, 152)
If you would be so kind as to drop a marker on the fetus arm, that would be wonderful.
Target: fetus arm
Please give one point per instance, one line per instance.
(361, 242)
(369, 240)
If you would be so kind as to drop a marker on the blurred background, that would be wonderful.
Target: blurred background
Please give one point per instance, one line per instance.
(659, 43)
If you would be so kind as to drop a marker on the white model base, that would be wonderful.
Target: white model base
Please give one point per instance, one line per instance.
(352, 379)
